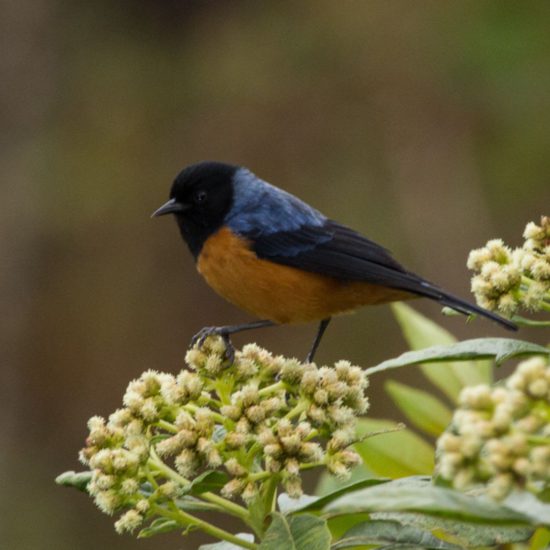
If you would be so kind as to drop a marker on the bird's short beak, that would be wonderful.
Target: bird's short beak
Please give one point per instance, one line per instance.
(170, 207)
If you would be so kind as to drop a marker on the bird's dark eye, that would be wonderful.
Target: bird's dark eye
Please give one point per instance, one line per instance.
(200, 196)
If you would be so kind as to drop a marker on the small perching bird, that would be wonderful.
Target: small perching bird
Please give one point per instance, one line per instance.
(276, 257)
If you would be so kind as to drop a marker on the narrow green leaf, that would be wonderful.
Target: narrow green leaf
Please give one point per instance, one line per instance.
(463, 533)
(78, 480)
(287, 505)
(212, 480)
(395, 454)
(417, 494)
(340, 524)
(192, 504)
(228, 545)
(423, 410)
(499, 348)
(328, 483)
(421, 332)
(384, 532)
(312, 503)
(540, 540)
(527, 503)
(160, 525)
(300, 532)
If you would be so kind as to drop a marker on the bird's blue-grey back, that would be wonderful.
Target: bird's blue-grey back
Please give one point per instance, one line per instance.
(260, 208)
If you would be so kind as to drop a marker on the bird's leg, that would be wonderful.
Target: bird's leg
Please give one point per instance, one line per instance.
(225, 332)
(322, 327)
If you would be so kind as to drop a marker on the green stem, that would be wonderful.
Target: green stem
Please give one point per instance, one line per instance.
(272, 389)
(270, 498)
(226, 505)
(208, 397)
(194, 408)
(538, 439)
(529, 322)
(258, 476)
(167, 426)
(187, 519)
(299, 408)
(159, 465)
(310, 465)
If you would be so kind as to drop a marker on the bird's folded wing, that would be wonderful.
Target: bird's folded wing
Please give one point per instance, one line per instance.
(337, 251)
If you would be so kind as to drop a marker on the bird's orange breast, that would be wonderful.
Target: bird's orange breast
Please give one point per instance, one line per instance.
(277, 292)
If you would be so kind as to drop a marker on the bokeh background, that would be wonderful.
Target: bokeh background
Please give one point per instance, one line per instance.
(426, 125)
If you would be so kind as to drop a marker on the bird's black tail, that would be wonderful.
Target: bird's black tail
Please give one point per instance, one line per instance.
(462, 306)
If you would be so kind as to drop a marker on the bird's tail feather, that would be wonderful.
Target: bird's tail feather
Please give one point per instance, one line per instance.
(464, 307)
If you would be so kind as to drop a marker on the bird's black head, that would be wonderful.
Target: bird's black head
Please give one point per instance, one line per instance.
(200, 198)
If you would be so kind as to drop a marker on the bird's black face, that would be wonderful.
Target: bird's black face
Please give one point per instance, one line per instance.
(200, 198)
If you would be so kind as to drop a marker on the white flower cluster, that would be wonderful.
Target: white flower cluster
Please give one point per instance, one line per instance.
(259, 419)
(500, 436)
(507, 280)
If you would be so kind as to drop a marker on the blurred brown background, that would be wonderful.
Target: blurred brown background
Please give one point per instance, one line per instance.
(426, 125)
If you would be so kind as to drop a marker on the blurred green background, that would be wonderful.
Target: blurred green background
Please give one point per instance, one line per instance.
(426, 125)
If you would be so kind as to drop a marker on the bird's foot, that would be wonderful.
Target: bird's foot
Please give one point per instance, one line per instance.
(205, 332)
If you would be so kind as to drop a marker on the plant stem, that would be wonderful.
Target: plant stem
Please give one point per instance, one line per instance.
(194, 408)
(187, 519)
(529, 322)
(226, 505)
(157, 463)
(258, 476)
(300, 407)
(206, 396)
(167, 426)
(538, 439)
(270, 498)
(280, 385)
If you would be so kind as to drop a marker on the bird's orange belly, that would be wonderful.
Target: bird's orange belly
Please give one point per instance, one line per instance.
(280, 293)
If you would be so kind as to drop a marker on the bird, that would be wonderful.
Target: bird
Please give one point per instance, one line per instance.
(281, 260)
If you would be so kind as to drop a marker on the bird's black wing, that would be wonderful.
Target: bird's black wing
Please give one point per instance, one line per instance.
(337, 251)
(334, 250)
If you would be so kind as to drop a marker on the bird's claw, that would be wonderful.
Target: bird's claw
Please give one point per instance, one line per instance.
(205, 332)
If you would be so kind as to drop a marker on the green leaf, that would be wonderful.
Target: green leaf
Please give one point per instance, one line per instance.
(160, 525)
(421, 332)
(312, 503)
(395, 454)
(540, 540)
(287, 505)
(192, 504)
(424, 411)
(340, 524)
(328, 483)
(211, 480)
(527, 503)
(300, 532)
(383, 532)
(78, 480)
(417, 494)
(228, 545)
(499, 348)
(465, 534)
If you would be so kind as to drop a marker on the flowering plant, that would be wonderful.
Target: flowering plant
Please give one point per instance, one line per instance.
(235, 436)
